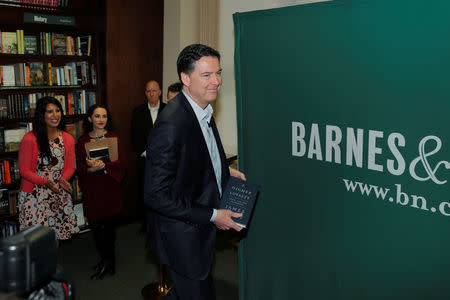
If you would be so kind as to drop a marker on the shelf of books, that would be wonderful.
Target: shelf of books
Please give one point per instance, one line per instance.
(36, 4)
(37, 60)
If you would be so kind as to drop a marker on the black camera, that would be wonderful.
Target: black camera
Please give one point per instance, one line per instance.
(27, 260)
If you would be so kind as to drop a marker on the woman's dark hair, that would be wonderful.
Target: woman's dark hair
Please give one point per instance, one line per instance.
(189, 56)
(40, 127)
(88, 127)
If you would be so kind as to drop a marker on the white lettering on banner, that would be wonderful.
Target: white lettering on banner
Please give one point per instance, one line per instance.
(354, 150)
(354, 147)
(298, 136)
(373, 150)
(400, 198)
(393, 137)
(333, 144)
(40, 19)
(423, 158)
(314, 143)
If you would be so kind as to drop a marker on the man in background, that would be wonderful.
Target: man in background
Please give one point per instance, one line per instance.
(142, 120)
(173, 90)
(186, 172)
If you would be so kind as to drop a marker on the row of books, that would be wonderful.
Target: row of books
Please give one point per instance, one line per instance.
(37, 3)
(9, 171)
(17, 106)
(75, 129)
(8, 202)
(40, 74)
(14, 106)
(46, 43)
(8, 228)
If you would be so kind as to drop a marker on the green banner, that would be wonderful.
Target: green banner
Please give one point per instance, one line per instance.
(343, 113)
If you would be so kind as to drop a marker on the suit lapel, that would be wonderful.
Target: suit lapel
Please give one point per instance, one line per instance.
(204, 148)
(148, 115)
(221, 152)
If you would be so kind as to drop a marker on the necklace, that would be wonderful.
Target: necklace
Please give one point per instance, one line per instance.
(98, 137)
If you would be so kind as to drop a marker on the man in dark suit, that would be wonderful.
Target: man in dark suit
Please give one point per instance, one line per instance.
(142, 120)
(186, 173)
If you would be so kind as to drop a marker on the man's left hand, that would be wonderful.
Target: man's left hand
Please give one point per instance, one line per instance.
(237, 174)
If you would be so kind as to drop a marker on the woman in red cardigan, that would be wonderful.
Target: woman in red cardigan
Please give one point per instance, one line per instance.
(46, 163)
(100, 184)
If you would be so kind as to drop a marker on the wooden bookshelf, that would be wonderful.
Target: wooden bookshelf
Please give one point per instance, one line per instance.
(89, 20)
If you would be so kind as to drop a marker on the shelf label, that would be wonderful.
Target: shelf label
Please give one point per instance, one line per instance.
(48, 19)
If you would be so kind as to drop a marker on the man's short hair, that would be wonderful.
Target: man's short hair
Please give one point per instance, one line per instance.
(175, 87)
(191, 54)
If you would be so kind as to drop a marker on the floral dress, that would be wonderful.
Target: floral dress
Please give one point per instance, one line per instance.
(43, 206)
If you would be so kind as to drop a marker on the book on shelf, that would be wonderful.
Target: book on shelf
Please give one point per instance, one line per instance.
(239, 196)
(78, 210)
(5, 205)
(9, 171)
(30, 44)
(8, 77)
(59, 44)
(76, 190)
(54, 75)
(2, 139)
(84, 45)
(9, 42)
(13, 137)
(8, 228)
(13, 199)
(75, 129)
(37, 77)
(20, 46)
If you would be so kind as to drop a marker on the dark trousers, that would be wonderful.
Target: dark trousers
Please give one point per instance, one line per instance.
(188, 289)
(104, 231)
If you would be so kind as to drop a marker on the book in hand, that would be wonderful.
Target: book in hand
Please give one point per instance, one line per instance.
(240, 196)
(100, 154)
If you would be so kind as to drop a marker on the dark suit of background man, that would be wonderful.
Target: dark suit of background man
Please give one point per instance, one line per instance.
(144, 116)
(173, 90)
(186, 173)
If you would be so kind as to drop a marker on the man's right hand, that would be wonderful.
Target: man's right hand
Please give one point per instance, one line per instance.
(223, 220)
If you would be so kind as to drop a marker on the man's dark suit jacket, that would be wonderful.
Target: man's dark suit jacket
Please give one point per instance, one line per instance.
(181, 189)
(141, 126)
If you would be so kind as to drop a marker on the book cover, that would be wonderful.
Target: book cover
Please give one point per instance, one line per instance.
(100, 154)
(9, 77)
(2, 139)
(78, 210)
(9, 42)
(12, 138)
(36, 73)
(19, 35)
(30, 44)
(84, 44)
(240, 196)
(13, 197)
(59, 44)
(4, 203)
(70, 129)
